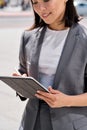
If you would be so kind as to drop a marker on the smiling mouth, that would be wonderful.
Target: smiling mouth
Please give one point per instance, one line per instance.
(45, 15)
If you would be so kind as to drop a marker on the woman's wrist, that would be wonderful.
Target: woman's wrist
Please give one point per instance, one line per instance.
(77, 100)
(70, 101)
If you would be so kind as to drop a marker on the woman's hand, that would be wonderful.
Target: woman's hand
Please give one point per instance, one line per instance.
(54, 98)
(16, 74)
(19, 74)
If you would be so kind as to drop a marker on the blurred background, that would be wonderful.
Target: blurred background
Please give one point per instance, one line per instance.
(7, 5)
(21, 4)
(15, 17)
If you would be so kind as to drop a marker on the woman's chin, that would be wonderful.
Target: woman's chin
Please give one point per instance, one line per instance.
(47, 21)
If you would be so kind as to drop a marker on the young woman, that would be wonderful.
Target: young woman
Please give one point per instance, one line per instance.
(54, 52)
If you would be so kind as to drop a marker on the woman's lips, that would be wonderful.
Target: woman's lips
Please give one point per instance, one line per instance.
(45, 15)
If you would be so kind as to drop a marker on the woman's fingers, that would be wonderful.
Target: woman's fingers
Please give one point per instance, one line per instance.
(50, 95)
(53, 90)
(16, 74)
(44, 96)
(50, 101)
(24, 75)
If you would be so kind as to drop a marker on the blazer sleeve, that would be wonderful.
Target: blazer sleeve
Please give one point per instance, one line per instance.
(22, 59)
(26, 37)
(85, 74)
(85, 79)
(84, 34)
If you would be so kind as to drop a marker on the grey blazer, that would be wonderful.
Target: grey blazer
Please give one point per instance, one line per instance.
(69, 77)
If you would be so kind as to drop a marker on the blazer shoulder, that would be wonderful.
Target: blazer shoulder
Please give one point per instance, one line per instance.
(83, 36)
(29, 36)
(82, 30)
(29, 33)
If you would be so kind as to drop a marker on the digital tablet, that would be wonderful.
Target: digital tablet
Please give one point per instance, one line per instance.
(26, 86)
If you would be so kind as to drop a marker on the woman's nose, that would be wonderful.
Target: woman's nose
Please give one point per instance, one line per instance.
(41, 6)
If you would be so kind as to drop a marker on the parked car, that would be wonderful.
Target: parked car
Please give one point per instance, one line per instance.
(2, 3)
(81, 6)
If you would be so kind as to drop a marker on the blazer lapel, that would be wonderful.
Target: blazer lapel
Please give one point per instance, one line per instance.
(66, 55)
(35, 56)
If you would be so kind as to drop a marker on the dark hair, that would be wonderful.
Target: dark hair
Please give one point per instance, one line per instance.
(70, 16)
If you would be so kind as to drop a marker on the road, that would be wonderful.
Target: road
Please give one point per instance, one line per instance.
(11, 108)
(17, 21)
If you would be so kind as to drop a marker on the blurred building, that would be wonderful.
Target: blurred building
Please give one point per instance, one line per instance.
(25, 4)
(15, 2)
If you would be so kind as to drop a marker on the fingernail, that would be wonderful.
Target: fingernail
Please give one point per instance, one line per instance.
(38, 91)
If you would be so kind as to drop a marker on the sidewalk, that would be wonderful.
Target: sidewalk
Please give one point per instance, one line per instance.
(11, 107)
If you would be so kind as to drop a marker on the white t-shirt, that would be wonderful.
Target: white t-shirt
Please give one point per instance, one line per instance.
(51, 51)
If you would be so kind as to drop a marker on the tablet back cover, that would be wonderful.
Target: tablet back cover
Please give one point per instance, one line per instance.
(26, 86)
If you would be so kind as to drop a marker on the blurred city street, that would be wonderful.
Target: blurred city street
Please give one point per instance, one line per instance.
(11, 29)
(12, 25)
